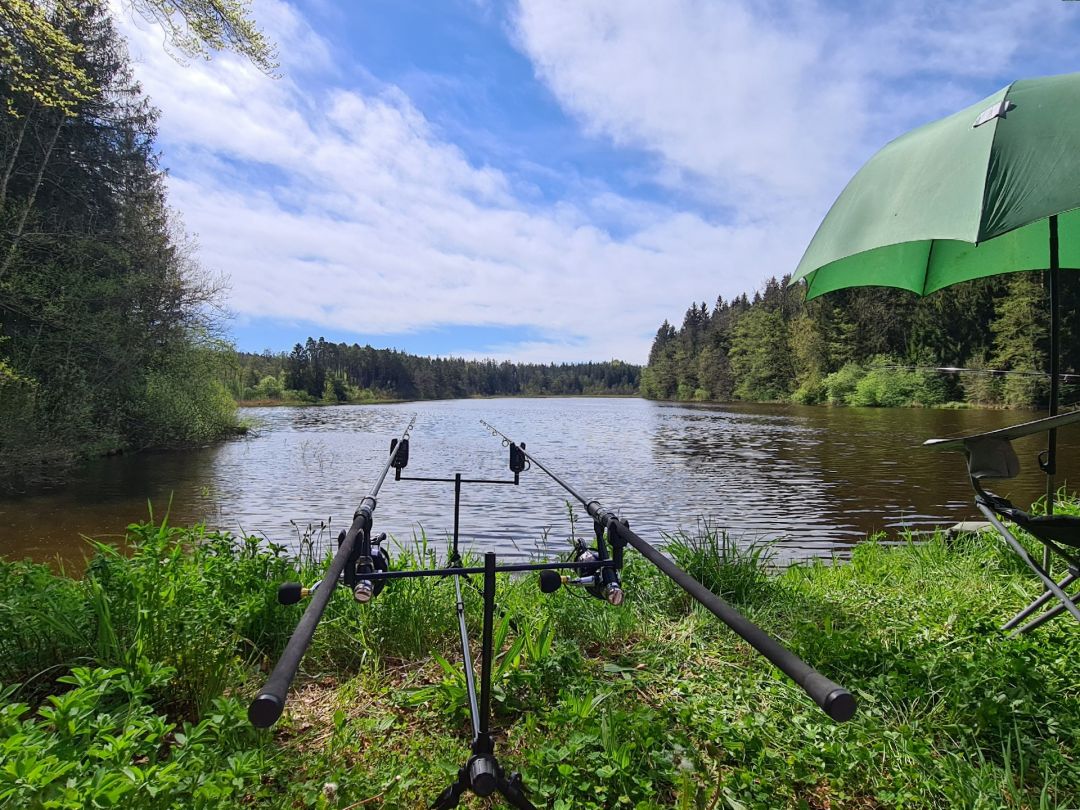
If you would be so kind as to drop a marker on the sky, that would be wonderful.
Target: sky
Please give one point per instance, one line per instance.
(548, 180)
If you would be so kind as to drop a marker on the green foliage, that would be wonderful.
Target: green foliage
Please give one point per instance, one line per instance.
(885, 386)
(20, 433)
(199, 27)
(39, 60)
(648, 705)
(200, 602)
(103, 743)
(105, 341)
(197, 602)
(809, 359)
(659, 380)
(46, 623)
(981, 388)
(43, 57)
(866, 346)
(1020, 328)
(319, 371)
(760, 356)
(269, 387)
(184, 401)
(840, 385)
(729, 569)
(587, 752)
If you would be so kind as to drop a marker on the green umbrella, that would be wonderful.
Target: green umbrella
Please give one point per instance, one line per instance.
(991, 189)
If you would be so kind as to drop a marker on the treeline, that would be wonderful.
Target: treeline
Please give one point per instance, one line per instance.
(870, 346)
(105, 342)
(337, 372)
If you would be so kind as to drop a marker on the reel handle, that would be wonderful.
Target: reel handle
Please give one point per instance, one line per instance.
(289, 593)
(550, 581)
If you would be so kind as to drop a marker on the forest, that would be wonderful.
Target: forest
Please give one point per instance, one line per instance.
(871, 346)
(319, 371)
(109, 335)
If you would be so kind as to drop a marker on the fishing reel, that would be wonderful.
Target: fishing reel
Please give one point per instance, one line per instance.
(363, 589)
(599, 577)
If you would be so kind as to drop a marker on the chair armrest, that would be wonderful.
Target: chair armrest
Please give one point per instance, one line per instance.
(1008, 433)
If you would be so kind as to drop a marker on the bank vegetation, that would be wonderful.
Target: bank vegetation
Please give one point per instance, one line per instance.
(128, 687)
(109, 329)
(871, 346)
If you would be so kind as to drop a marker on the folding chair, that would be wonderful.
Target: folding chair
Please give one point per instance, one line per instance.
(991, 455)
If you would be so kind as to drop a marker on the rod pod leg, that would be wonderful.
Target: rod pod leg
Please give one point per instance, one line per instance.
(483, 774)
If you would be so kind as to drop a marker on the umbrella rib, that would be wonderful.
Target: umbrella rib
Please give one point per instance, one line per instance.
(929, 264)
(986, 174)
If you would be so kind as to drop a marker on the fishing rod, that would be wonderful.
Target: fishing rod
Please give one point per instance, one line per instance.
(1070, 379)
(362, 565)
(353, 563)
(836, 701)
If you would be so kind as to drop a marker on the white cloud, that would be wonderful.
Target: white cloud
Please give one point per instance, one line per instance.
(771, 107)
(344, 208)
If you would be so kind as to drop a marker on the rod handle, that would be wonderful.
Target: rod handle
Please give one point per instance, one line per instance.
(267, 707)
(833, 699)
(289, 593)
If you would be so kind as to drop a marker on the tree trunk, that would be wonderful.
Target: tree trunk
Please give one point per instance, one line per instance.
(21, 226)
(9, 169)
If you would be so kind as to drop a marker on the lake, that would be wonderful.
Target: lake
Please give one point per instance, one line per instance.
(813, 479)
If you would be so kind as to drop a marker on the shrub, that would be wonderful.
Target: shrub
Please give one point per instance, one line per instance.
(47, 625)
(103, 743)
(888, 385)
(269, 387)
(810, 392)
(840, 385)
(198, 602)
(184, 401)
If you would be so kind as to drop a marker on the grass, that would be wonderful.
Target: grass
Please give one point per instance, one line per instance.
(129, 687)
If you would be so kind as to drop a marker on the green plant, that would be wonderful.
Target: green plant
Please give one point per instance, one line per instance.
(46, 624)
(103, 744)
(840, 385)
(645, 706)
(733, 571)
(194, 600)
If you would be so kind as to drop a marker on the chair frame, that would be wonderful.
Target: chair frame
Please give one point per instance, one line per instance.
(991, 455)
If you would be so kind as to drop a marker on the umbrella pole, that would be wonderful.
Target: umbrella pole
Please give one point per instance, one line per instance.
(1055, 335)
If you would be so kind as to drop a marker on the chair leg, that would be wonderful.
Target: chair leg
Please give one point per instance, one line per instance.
(1066, 601)
(1038, 603)
(1054, 611)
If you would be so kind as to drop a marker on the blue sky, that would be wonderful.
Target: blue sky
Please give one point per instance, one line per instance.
(548, 180)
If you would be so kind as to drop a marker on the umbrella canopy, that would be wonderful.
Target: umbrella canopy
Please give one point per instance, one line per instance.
(994, 188)
(960, 198)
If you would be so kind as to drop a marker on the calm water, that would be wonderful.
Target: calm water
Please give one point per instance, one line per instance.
(814, 479)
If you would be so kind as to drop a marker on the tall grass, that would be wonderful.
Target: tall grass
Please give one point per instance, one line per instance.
(732, 570)
(408, 619)
(199, 602)
(650, 705)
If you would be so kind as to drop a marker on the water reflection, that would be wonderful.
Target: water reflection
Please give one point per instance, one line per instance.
(816, 479)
